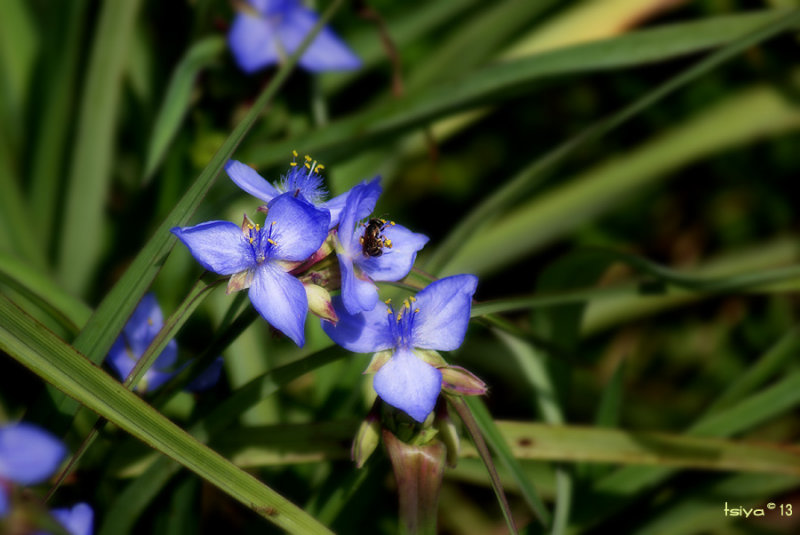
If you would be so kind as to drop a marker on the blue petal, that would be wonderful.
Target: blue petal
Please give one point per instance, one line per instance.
(77, 520)
(144, 324)
(281, 300)
(444, 308)
(358, 293)
(365, 332)
(407, 383)
(207, 378)
(359, 204)
(252, 42)
(121, 358)
(326, 53)
(250, 181)
(28, 454)
(335, 207)
(395, 262)
(300, 227)
(162, 369)
(219, 246)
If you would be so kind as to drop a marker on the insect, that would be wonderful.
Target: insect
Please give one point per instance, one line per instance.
(373, 242)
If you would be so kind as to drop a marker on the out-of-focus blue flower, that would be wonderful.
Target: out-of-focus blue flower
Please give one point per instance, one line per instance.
(28, 455)
(395, 249)
(267, 31)
(436, 319)
(78, 519)
(301, 180)
(259, 258)
(142, 327)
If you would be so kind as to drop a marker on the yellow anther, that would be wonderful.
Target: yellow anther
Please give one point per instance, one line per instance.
(387, 243)
(308, 158)
(272, 223)
(294, 153)
(389, 311)
(293, 164)
(273, 242)
(388, 301)
(412, 298)
(320, 167)
(416, 311)
(308, 166)
(399, 317)
(251, 239)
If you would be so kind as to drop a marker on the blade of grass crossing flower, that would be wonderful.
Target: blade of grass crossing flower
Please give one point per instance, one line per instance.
(82, 226)
(178, 99)
(442, 260)
(58, 363)
(109, 318)
(130, 504)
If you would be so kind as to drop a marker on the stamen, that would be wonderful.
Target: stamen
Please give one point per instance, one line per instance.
(412, 298)
(294, 153)
(308, 166)
(293, 164)
(273, 242)
(308, 158)
(416, 311)
(388, 301)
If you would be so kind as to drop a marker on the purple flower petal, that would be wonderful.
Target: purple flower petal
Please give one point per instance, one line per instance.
(357, 293)
(395, 262)
(359, 204)
(444, 308)
(253, 42)
(144, 324)
(300, 228)
(250, 181)
(407, 383)
(28, 454)
(77, 520)
(326, 53)
(335, 206)
(281, 300)
(364, 332)
(4, 502)
(219, 246)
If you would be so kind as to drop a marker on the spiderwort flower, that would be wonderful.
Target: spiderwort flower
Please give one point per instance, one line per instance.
(388, 257)
(259, 258)
(77, 520)
(302, 180)
(142, 327)
(435, 320)
(265, 32)
(28, 455)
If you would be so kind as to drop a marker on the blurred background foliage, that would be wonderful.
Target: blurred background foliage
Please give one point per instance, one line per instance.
(110, 110)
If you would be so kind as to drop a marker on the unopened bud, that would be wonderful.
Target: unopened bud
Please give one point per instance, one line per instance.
(319, 302)
(462, 382)
(367, 439)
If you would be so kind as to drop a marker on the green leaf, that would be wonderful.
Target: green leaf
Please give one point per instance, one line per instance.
(59, 364)
(585, 197)
(501, 81)
(89, 177)
(178, 98)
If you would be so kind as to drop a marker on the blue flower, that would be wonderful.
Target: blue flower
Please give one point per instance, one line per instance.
(395, 249)
(435, 320)
(259, 258)
(267, 31)
(142, 327)
(77, 520)
(28, 455)
(301, 180)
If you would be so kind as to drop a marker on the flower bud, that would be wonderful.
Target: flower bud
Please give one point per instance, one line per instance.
(462, 382)
(367, 439)
(319, 302)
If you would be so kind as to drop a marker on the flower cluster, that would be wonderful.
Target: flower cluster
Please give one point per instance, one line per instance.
(284, 264)
(28, 456)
